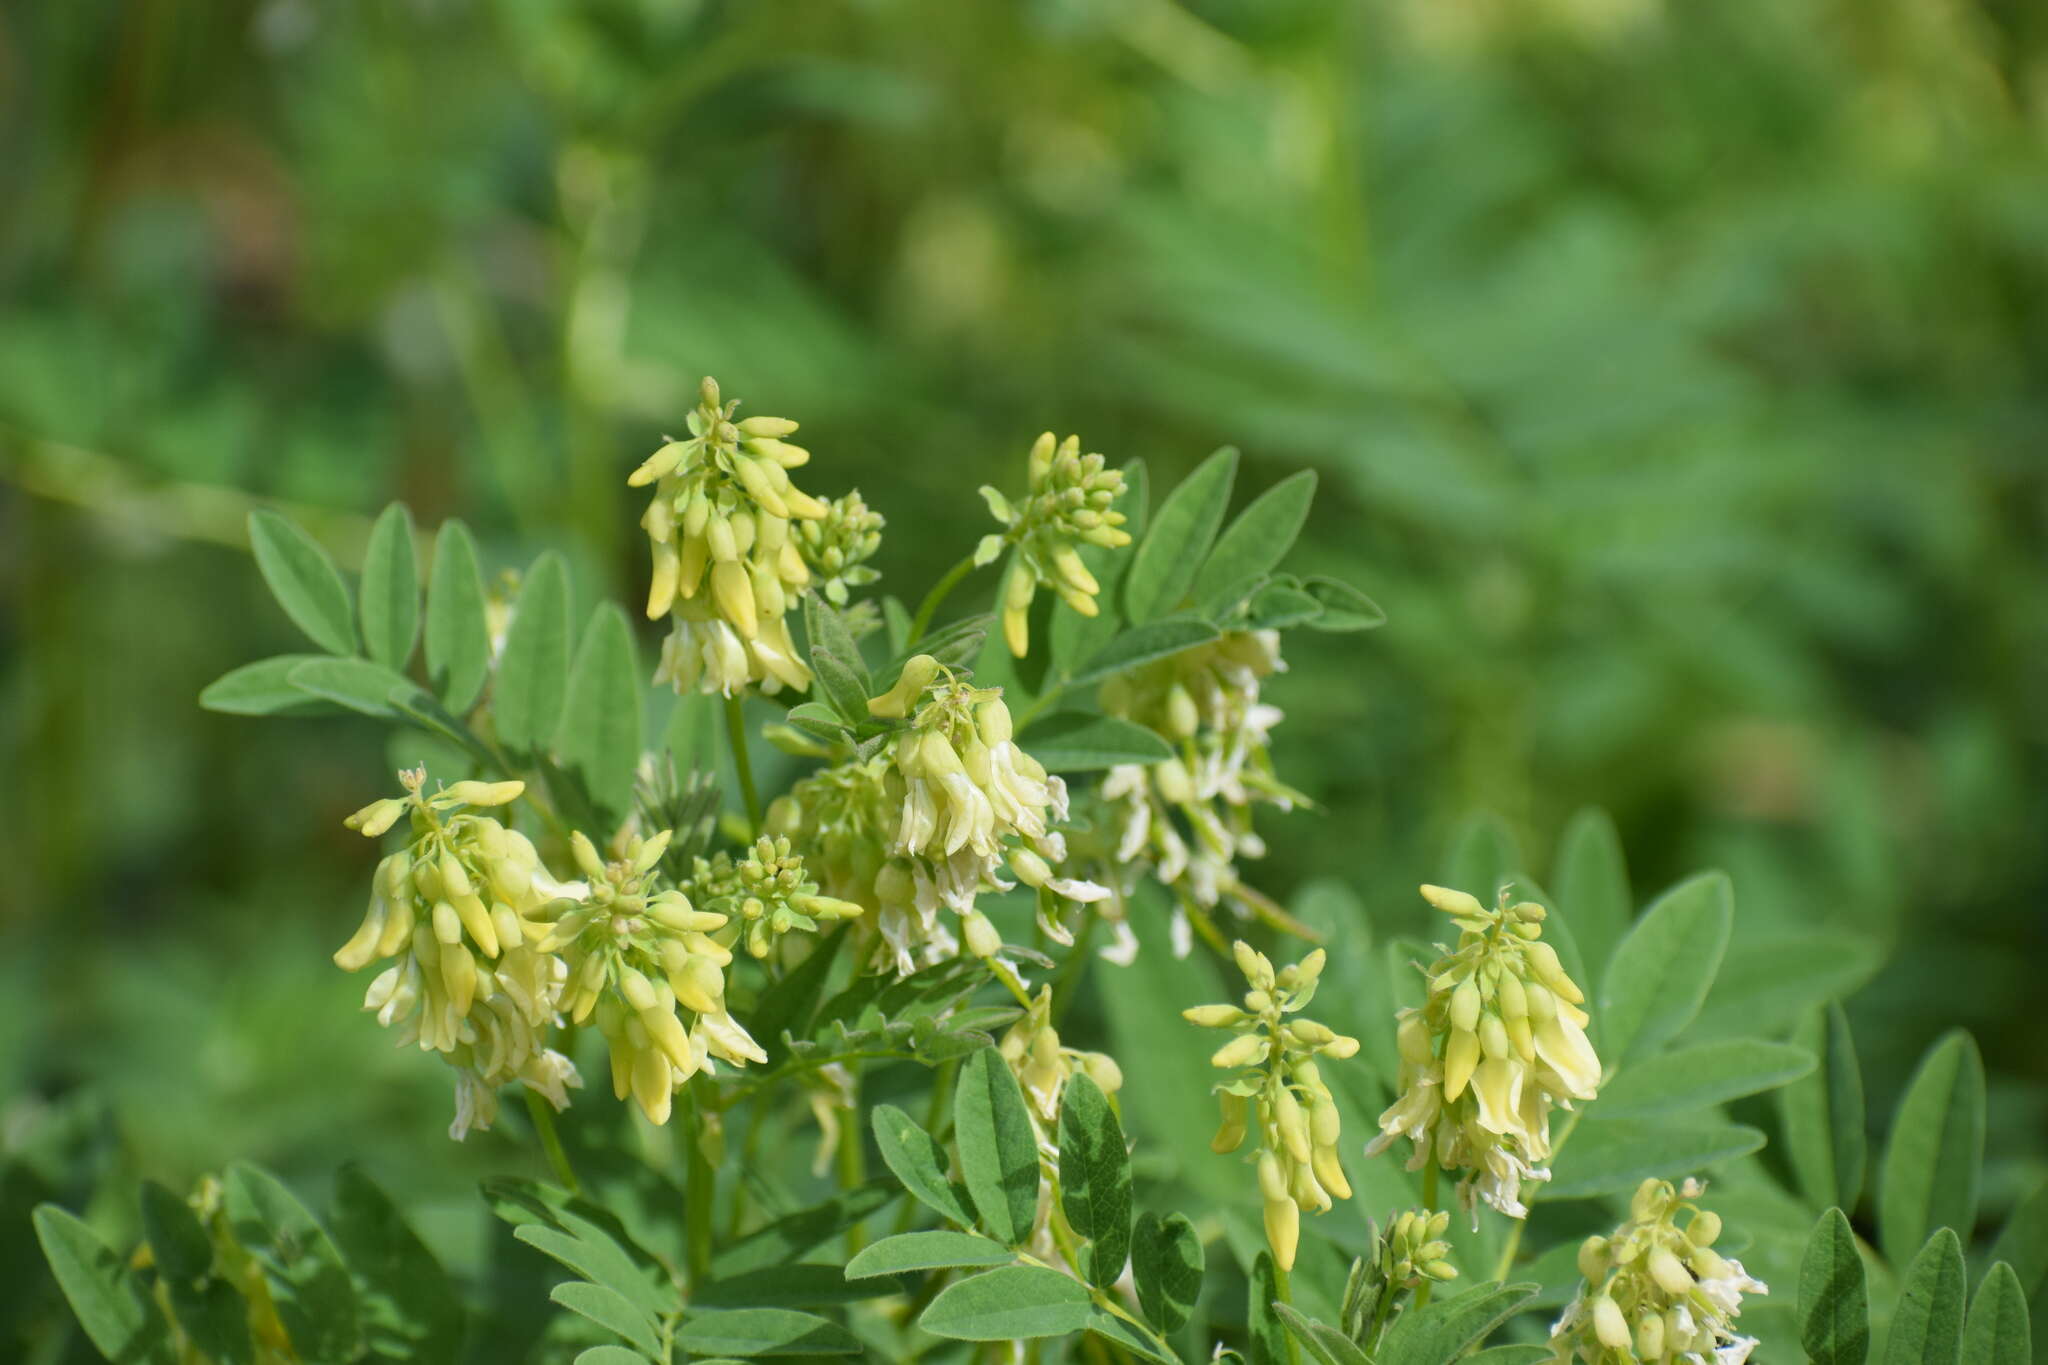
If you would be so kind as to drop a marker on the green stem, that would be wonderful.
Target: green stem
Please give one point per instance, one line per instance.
(852, 1171)
(699, 1192)
(1283, 1292)
(930, 606)
(736, 732)
(1429, 1175)
(550, 1140)
(1507, 1253)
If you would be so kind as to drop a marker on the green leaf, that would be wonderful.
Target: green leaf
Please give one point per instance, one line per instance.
(1277, 607)
(105, 1295)
(1143, 644)
(1517, 1353)
(764, 1332)
(1011, 1303)
(803, 1284)
(303, 579)
(1768, 983)
(789, 1001)
(1345, 608)
(411, 1310)
(1998, 1332)
(309, 1283)
(1078, 742)
(1706, 1074)
(207, 1308)
(390, 591)
(1834, 1308)
(827, 632)
(1445, 1330)
(1164, 567)
(1095, 1178)
(1606, 1156)
(916, 1159)
(1592, 884)
(1167, 1263)
(1122, 1334)
(594, 1253)
(264, 689)
(1258, 540)
(998, 1154)
(1823, 1113)
(926, 1251)
(1663, 968)
(1325, 1343)
(358, 684)
(458, 632)
(793, 1234)
(1265, 1334)
(602, 732)
(533, 669)
(612, 1311)
(1932, 1167)
(615, 1355)
(1927, 1326)
(2023, 1245)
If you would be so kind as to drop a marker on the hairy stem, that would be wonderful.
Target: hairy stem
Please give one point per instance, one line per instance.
(550, 1140)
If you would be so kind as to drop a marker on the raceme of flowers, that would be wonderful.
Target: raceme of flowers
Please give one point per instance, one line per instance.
(1498, 1042)
(1070, 503)
(727, 566)
(1656, 1292)
(1279, 1092)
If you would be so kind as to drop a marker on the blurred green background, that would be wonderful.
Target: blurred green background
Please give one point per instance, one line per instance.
(1677, 373)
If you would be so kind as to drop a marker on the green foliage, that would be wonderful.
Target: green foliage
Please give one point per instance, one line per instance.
(1933, 1163)
(1834, 1307)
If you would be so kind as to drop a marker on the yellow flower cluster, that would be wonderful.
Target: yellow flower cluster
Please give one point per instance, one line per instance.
(1657, 1293)
(1188, 819)
(1499, 1041)
(1043, 1065)
(1070, 503)
(455, 907)
(721, 516)
(839, 545)
(1280, 1092)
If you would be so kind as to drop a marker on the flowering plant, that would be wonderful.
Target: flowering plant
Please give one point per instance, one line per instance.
(973, 822)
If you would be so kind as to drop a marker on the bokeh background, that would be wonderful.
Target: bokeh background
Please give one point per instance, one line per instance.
(1677, 373)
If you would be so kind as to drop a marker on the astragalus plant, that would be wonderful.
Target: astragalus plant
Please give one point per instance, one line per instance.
(717, 1003)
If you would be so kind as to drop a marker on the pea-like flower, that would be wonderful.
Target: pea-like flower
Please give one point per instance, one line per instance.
(1043, 1065)
(1070, 504)
(1499, 1040)
(1656, 1292)
(640, 958)
(1188, 819)
(768, 891)
(1279, 1093)
(453, 907)
(964, 799)
(838, 546)
(727, 566)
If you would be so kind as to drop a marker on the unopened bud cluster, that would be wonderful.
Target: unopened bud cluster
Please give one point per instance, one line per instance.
(1499, 1040)
(456, 908)
(1656, 1292)
(1407, 1254)
(727, 566)
(838, 546)
(1279, 1093)
(1070, 504)
(1188, 819)
(768, 892)
(1043, 1065)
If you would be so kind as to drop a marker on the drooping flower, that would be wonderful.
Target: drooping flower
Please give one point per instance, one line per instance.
(1499, 1040)
(640, 959)
(727, 566)
(1043, 1064)
(1279, 1093)
(1187, 820)
(1656, 1292)
(455, 907)
(1070, 504)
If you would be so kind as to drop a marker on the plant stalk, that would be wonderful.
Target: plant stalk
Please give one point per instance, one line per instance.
(736, 733)
(930, 606)
(550, 1140)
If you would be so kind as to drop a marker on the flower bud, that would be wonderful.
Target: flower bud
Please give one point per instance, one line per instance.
(1230, 1134)
(1244, 1050)
(980, 935)
(1609, 1325)
(1213, 1016)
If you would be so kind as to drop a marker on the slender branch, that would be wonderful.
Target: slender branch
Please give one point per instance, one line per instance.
(852, 1171)
(930, 606)
(550, 1140)
(1283, 1292)
(699, 1191)
(736, 732)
